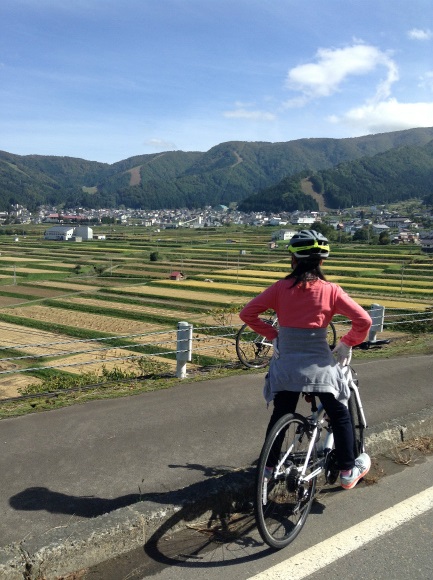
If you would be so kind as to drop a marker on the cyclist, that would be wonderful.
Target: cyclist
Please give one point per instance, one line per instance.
(305, 303)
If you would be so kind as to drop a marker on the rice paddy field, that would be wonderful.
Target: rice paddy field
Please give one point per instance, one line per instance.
(70, 308)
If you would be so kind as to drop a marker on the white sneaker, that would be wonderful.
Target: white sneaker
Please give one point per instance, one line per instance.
(362, 467)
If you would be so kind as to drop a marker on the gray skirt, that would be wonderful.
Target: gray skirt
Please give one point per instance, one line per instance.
(305, 364)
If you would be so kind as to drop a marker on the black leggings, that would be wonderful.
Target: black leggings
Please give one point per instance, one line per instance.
(286, 401)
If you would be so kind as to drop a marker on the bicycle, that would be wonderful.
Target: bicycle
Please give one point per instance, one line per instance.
(283, 501)
(255, 351)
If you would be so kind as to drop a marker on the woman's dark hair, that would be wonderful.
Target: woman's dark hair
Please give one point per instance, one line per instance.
(305, 271)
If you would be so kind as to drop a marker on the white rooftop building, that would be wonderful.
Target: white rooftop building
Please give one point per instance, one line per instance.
(59, 233)
(65, 233)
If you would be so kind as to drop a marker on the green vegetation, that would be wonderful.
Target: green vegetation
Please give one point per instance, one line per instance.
(59, 381)
(403, 173)
(228, 172)
(400, 174)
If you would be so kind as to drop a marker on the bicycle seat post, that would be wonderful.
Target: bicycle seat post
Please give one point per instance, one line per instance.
(311, 398)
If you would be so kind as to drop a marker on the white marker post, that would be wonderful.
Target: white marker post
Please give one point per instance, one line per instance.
(377, 315)
(184, 348)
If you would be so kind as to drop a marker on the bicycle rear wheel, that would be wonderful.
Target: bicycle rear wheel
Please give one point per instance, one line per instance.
(253, 350)
(283, 502)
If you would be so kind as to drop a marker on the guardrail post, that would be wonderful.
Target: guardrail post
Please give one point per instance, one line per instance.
(377, 315)
(184, 348)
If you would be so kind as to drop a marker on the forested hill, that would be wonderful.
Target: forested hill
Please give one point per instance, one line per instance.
(228, 172)
(399, 174)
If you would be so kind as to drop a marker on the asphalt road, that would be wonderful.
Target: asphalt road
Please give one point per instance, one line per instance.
(76, 463)
(342, 538)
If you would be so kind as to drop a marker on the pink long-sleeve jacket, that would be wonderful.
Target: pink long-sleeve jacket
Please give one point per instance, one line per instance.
(309, 306)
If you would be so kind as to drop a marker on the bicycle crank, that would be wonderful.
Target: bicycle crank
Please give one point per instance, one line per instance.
(331, 470)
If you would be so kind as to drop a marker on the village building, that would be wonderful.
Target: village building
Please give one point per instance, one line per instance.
(68, 233)
(177, 276)
(59, 233)
(398, 222)
(304, 220)
(379, 228)
(406, 237)
(427, 243)
(283, 234)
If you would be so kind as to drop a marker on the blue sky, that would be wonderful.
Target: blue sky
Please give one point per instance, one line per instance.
(108, 79)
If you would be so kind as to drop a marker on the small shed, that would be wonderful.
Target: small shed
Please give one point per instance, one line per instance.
(177, 276)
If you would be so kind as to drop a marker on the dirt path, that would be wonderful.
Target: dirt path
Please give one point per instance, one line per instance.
(135, 175)
(239, 159)
(307, 188)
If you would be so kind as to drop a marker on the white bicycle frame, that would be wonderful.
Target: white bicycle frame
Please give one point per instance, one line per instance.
(318, 419)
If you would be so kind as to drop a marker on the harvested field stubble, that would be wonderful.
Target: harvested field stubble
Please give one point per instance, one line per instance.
(176, 314)
(108, 324)
(371, 274)
(11, 385)
(33, 290)
(77, 286)
(179, 292)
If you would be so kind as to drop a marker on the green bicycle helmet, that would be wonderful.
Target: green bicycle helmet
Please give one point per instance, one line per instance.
(309, 244)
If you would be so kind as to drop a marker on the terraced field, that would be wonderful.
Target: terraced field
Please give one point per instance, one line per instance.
(54, 292)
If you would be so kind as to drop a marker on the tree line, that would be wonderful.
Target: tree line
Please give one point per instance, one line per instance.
(345, 171)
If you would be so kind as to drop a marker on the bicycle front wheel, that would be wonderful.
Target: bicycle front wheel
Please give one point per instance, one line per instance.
(283, 501)
(331, 335)
(253, 350)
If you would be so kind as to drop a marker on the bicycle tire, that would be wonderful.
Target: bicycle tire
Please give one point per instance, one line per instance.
(252, 353)
(250, 348)
(358, 426)
(282, 504)
(331, 335)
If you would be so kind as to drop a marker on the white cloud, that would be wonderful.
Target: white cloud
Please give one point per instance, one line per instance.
(419, 34)
(160, 144)
(324, 77)
(389, 115)
(426, 81)
(296, 102)
(242, 113)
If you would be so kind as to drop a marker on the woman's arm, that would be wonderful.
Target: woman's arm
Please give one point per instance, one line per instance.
(361, 321)
(250, 313)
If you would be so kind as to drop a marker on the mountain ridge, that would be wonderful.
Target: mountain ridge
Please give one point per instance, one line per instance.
(228, 172)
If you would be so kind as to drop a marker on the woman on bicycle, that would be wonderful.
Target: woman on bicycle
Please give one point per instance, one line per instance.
(305, 304)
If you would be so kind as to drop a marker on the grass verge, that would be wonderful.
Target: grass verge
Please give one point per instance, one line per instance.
(108, 390)
(407, 345)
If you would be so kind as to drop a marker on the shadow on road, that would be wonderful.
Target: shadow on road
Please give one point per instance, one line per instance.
(42, 498)
(214, 526)
(45, 499)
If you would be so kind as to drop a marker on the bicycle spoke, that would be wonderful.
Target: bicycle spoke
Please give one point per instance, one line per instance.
(283, 502)
(252, 349)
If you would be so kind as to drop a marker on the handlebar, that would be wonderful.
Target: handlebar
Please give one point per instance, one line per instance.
(367, 344)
